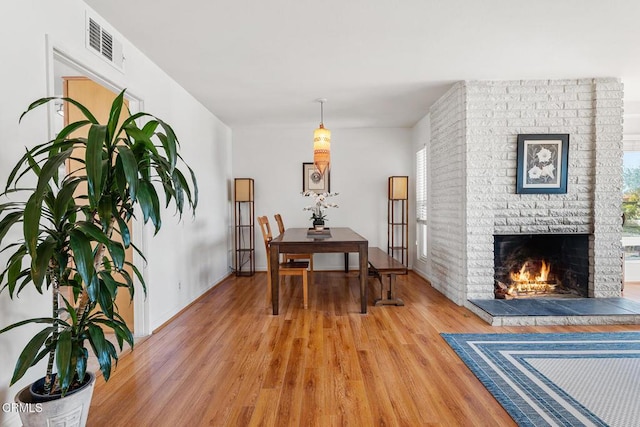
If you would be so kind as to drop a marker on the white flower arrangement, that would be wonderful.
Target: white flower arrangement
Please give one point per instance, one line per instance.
(319, 203)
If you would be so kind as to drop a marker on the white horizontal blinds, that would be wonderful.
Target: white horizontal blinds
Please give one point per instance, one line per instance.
(421, 185)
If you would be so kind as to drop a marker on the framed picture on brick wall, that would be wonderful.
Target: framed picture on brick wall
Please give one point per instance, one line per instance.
(543, 160)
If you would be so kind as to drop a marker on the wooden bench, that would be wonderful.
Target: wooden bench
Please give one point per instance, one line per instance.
(383, 265)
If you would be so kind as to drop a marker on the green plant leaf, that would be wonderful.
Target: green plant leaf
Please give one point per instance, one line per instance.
(194, 203)
(10, 206)
(106, 263)
(43, 101)
(8, 221)
(49, 170)
(120, 179)
(31, 223)
(92, 232)
(69, 129)
(45, 252)
(168, 142)
(129, 285)
(149, 203)
(36, 104)
(82, 355)
(117, 253)
(114, 116)
(25, 165)
(21, 163)
(64, 198)
(93, 162)
(109, 283)
(82, 108)
(93, 288)
(83, 255)
(100, 349)
(124, 232)
(139, 252)
(26, 279)
(29, 353)
(140, 138)
(130, 169)
(140, 278)
(105, 208)
(50, 320)
(63, 360)
(73, 315)
(120, 328)
(182, 188)
(14, 268)
(150, 127)
(105, 300)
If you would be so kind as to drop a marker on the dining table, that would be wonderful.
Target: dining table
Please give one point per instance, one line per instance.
(305, 241)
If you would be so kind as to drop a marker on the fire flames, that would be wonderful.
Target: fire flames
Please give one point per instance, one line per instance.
(529, 281)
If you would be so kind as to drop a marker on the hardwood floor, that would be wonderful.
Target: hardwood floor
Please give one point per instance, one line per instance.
(632, 290)
(226, 361)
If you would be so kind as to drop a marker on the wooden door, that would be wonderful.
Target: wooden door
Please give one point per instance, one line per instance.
(98, 100)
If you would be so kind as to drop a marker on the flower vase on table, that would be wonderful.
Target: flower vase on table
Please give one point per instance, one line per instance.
(318, 224)
(319, 203)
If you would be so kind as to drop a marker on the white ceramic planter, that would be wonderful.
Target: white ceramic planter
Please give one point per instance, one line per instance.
(70, 411)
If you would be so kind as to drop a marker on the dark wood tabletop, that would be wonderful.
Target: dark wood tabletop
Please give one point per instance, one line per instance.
(301, 237)
(297, 240)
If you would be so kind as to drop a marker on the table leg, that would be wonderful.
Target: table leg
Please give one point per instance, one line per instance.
(274, 257)
(346, 262)
(364, 274)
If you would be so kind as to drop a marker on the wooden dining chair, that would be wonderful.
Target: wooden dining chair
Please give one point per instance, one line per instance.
(293, 257)
(287, 268)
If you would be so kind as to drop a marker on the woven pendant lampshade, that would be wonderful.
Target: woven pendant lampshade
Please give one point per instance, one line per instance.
(321, 143)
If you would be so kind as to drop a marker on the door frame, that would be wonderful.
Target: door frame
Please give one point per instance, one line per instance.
(57, 53)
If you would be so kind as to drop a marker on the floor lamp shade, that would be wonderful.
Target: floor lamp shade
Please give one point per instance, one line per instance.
(243, 190)
(398, 187)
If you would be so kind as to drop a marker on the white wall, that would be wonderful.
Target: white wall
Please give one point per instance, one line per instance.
(361, 162)
(193, 252)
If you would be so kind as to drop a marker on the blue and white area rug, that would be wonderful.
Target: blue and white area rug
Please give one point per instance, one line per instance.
(590, 379)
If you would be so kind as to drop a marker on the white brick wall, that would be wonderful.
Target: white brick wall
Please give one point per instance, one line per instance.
(446, 257)
(473, 177)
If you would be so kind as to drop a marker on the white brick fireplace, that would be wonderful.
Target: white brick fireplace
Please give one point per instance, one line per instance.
(472, 178)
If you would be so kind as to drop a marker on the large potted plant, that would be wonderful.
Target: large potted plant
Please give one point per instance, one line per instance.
(76, 238)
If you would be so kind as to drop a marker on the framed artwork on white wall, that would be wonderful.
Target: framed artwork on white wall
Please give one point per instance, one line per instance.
(312, 180)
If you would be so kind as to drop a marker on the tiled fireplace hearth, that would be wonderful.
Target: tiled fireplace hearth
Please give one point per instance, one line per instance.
(472, 182)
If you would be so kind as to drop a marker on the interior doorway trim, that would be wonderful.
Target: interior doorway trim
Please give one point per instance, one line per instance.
(57, 53)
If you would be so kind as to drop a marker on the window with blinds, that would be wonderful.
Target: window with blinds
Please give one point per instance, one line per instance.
(421, 203)
(421, 185)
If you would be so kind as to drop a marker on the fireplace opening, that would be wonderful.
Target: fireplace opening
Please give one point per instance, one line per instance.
(541, 265)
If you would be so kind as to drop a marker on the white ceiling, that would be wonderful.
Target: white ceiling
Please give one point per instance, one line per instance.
(378, 62)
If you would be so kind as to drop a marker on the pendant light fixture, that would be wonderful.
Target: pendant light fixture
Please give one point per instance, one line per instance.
(321, 143)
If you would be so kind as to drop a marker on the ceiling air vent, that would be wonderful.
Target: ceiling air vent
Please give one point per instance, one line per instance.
(101, 42)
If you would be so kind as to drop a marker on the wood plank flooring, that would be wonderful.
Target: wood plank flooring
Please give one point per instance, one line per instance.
(226, 361)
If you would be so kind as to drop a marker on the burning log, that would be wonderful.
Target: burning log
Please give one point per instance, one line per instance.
(531, 287)
(533, 278)
(501, 290)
